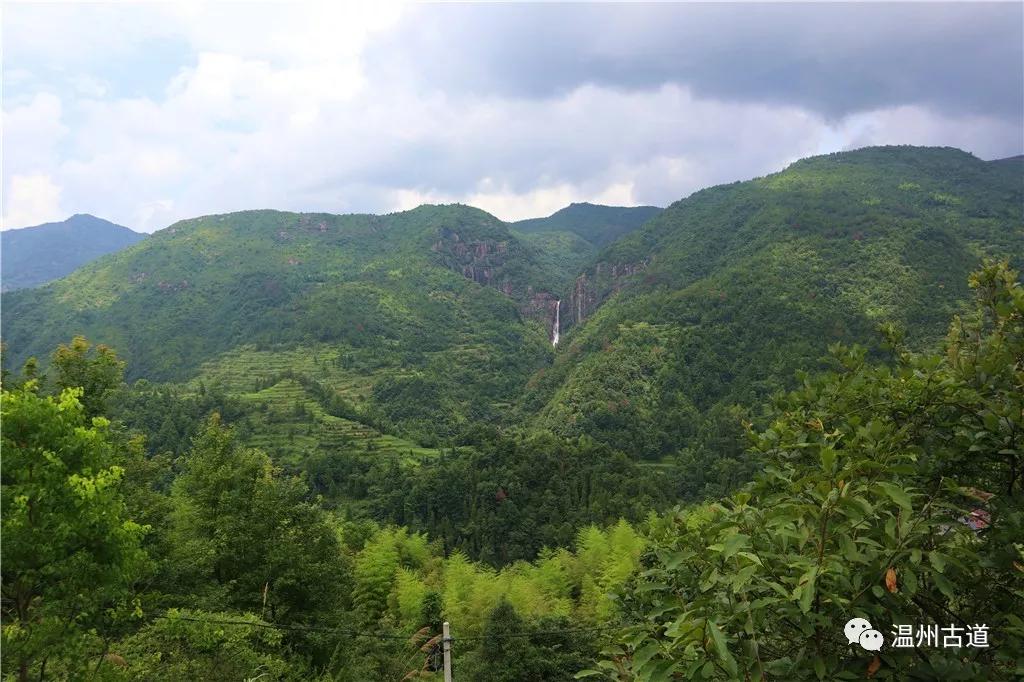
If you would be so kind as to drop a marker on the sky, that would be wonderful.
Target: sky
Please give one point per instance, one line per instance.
(145, 114)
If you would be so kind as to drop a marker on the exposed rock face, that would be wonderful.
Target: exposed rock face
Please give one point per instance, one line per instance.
(476, 260)
(479, 260)
(313, 224)
(583, 299)
(592, 288)
(543, 306)
(482, 260)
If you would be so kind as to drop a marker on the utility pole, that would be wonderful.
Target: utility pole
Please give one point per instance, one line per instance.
(446, 646)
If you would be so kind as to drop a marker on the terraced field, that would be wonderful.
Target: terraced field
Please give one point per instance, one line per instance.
(295, 396)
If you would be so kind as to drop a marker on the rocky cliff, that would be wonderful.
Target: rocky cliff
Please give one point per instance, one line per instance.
(593, 287)
(497, 262)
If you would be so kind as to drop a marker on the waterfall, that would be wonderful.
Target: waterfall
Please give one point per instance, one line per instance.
(554, 332)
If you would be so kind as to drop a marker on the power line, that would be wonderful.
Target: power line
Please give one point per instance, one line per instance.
(373, 635)
(538, 633)
(439, 648)
(285, 626)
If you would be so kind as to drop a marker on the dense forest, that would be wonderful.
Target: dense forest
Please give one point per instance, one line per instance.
(286, 446)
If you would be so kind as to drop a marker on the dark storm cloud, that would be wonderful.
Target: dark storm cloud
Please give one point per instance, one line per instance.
(519, 109)
(834, 59)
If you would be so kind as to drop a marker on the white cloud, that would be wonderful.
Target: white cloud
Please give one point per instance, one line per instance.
(274, 107)
(234, 133)
(509, 205)
(90, 87)
(983, 136)
(30, 200)
(31, 134)
(158, 211)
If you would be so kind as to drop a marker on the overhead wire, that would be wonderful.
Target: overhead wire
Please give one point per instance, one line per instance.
(377, 635)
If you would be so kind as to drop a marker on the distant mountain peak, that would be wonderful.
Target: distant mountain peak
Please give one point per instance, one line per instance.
(35, 255)
(595, 223)
(1009, 160)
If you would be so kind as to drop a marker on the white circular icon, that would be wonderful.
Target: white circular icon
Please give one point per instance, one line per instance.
(871, 640)
(854, 628)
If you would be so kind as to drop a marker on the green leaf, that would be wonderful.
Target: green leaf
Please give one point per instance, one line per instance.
(897, 494)
(938, 561)
(743, 576)
(849, 548)
(676, 559)
(808, 588)
(944, 585)
(753, 557)
(721, 649)
(828, 458)
(716, 637)
(652, 587)
(645, 654)
(735, 542)
(663, 672)
(909, 582)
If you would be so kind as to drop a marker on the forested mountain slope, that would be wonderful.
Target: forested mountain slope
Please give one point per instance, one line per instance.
(724, 295)
(570, 238)
(35, 255)
(428, 316)
(596, 224)
(333, 330)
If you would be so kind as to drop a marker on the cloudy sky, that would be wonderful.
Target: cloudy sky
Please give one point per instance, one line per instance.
(146, 114)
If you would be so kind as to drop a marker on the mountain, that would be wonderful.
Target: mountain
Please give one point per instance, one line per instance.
(569, 239)
(722, 297)
(36, 255)
(595, 224)
(1013, 162)
(401, 332)
(343, 327)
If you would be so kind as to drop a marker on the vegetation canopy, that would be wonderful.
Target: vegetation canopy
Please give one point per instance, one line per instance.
(280, 446)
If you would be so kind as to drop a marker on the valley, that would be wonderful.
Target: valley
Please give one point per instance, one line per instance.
(400, 332)
(511, 342)
(436, 412)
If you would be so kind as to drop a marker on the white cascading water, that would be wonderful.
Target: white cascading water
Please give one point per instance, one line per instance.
(554, 334)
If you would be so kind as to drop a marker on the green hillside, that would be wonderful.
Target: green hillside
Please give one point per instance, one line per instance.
(347, 430)
(596, 224)
(569, 239)
(438, 314)
(354, 330)
(724, 295)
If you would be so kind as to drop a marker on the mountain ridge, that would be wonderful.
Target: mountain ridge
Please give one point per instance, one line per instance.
(780, 266)
(439, 301)
(598, 224)
(428, 321)
(35, 255)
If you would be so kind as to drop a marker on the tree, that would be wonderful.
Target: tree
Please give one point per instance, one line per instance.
(242, 527)
(95, 369)
(513, 650)
(871, 474)
(70, 555)
(201, 646)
